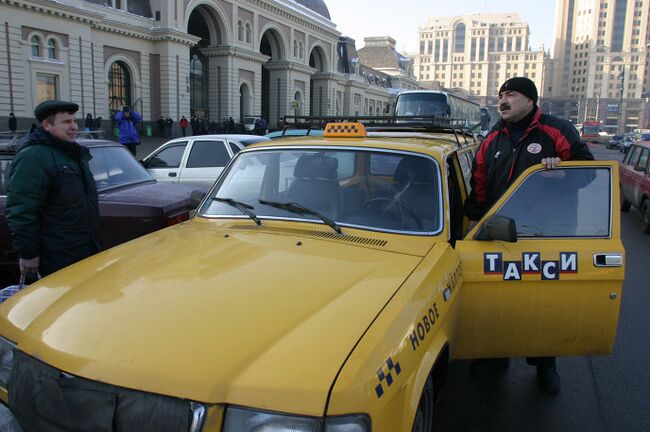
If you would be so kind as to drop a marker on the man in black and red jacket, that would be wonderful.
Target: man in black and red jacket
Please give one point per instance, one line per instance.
(524, 137)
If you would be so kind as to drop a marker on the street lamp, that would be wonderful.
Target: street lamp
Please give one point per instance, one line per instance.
(621, 127)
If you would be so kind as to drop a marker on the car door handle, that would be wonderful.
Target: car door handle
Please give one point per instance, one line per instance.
(172, 174)
(608, 260)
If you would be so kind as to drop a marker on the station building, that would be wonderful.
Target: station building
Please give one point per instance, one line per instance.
(208, 58)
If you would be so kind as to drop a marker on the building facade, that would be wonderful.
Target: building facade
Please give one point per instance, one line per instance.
(380, 54)
(601, 63)
(207, 58)
(475, 54)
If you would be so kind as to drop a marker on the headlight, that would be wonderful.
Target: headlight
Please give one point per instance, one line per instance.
(6, 360)
(243, 420)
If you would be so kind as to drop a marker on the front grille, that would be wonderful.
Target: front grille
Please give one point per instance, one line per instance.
(45, 399)
(315, 233)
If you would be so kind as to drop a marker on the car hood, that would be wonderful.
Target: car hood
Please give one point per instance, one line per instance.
(213, 315)
(166, 196)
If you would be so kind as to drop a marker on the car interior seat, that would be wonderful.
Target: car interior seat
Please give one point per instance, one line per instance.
(316, 184)
(417, 196)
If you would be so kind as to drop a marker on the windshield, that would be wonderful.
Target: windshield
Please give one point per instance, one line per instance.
(590, 129)
(115, 166)
(378, 190)
(422, 104)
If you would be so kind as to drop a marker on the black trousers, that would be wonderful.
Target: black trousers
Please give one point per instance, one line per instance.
(131, 147)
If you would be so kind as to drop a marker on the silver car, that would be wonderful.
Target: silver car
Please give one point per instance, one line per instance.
(196, 160)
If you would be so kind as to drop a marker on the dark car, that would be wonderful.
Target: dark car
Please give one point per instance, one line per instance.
(131, 202)
(615, 142)
(635, 181)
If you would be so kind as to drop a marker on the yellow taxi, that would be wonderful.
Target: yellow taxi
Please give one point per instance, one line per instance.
(324, 285)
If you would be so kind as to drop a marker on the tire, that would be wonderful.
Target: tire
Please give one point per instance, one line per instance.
(423, 421)
(645, 216)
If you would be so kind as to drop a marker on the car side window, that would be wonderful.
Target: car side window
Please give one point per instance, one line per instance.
(563, 202)
(5, 166)
(643, 160)
(208, 154)
(633, 156)
(169, 157)
(234, 148)
(465, 160)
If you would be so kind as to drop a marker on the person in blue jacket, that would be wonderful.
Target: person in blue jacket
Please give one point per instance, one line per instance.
(126, 121)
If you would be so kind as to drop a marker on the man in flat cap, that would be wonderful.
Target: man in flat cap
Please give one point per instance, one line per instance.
(52, 208)
(524, 137)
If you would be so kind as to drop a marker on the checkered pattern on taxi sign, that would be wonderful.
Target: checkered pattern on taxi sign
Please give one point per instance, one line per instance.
(385, 374)
(345, 129)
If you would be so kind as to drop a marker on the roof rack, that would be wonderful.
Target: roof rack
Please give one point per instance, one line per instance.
(426, 124)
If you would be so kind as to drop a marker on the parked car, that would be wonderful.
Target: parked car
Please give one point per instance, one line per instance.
(197, 160)
(635, 181)
(131, 202)
(249, 123)
(627, 142)
(615, 142)
(329, 293)
(294, 133)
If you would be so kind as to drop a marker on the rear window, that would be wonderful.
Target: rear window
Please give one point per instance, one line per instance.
(206, 154)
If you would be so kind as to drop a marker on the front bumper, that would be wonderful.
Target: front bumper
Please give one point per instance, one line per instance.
(45, 399)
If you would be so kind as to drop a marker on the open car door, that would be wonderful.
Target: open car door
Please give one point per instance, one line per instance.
(554, 287)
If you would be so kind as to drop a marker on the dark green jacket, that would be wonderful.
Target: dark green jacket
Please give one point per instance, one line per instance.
(52, 207)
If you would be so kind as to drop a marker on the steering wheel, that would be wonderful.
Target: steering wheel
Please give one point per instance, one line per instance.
(395, 203)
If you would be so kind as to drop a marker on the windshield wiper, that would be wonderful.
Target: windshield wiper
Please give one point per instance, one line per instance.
(300, 209)
(242, 207)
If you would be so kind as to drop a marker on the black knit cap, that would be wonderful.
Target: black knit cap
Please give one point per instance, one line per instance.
(522, 85)
(49, 107)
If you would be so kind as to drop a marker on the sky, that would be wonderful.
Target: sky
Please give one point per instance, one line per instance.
(401, 19)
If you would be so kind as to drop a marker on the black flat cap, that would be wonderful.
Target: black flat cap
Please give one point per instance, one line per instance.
(49, 107)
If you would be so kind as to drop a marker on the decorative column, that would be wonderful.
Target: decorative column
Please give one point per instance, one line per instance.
(174, 52)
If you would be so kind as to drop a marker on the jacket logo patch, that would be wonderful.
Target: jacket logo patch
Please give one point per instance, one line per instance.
(534, 148)
(530, 263)
(385, 374)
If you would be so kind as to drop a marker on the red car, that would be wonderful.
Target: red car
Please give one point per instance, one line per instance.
(635, 181)
(131, 202)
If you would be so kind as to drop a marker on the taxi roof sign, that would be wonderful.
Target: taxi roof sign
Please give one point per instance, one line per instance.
(345, 130)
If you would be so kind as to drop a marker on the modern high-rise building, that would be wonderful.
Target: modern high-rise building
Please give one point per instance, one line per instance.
(475, 54)
(600, 69)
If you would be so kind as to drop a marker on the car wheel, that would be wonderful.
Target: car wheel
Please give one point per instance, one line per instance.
(423, 421)
(645, 217)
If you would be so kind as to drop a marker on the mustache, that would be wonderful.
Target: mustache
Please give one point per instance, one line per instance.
(504, 107)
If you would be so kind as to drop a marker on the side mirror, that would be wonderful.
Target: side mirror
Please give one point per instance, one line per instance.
(498, 228)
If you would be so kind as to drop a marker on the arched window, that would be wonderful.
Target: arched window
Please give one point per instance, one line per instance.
(297, 105)
(198, 84)
(119, 87)
(51, 49)
(249, 33)
(240, 30)
(36, 46)
(459, 38)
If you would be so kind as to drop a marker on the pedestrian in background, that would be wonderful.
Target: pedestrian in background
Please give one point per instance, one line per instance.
(524, 137)
(128, 135)
(89, 123)
(52, 208)
(161, 126)
(169, 124)
(183, 124)
(13, 123)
